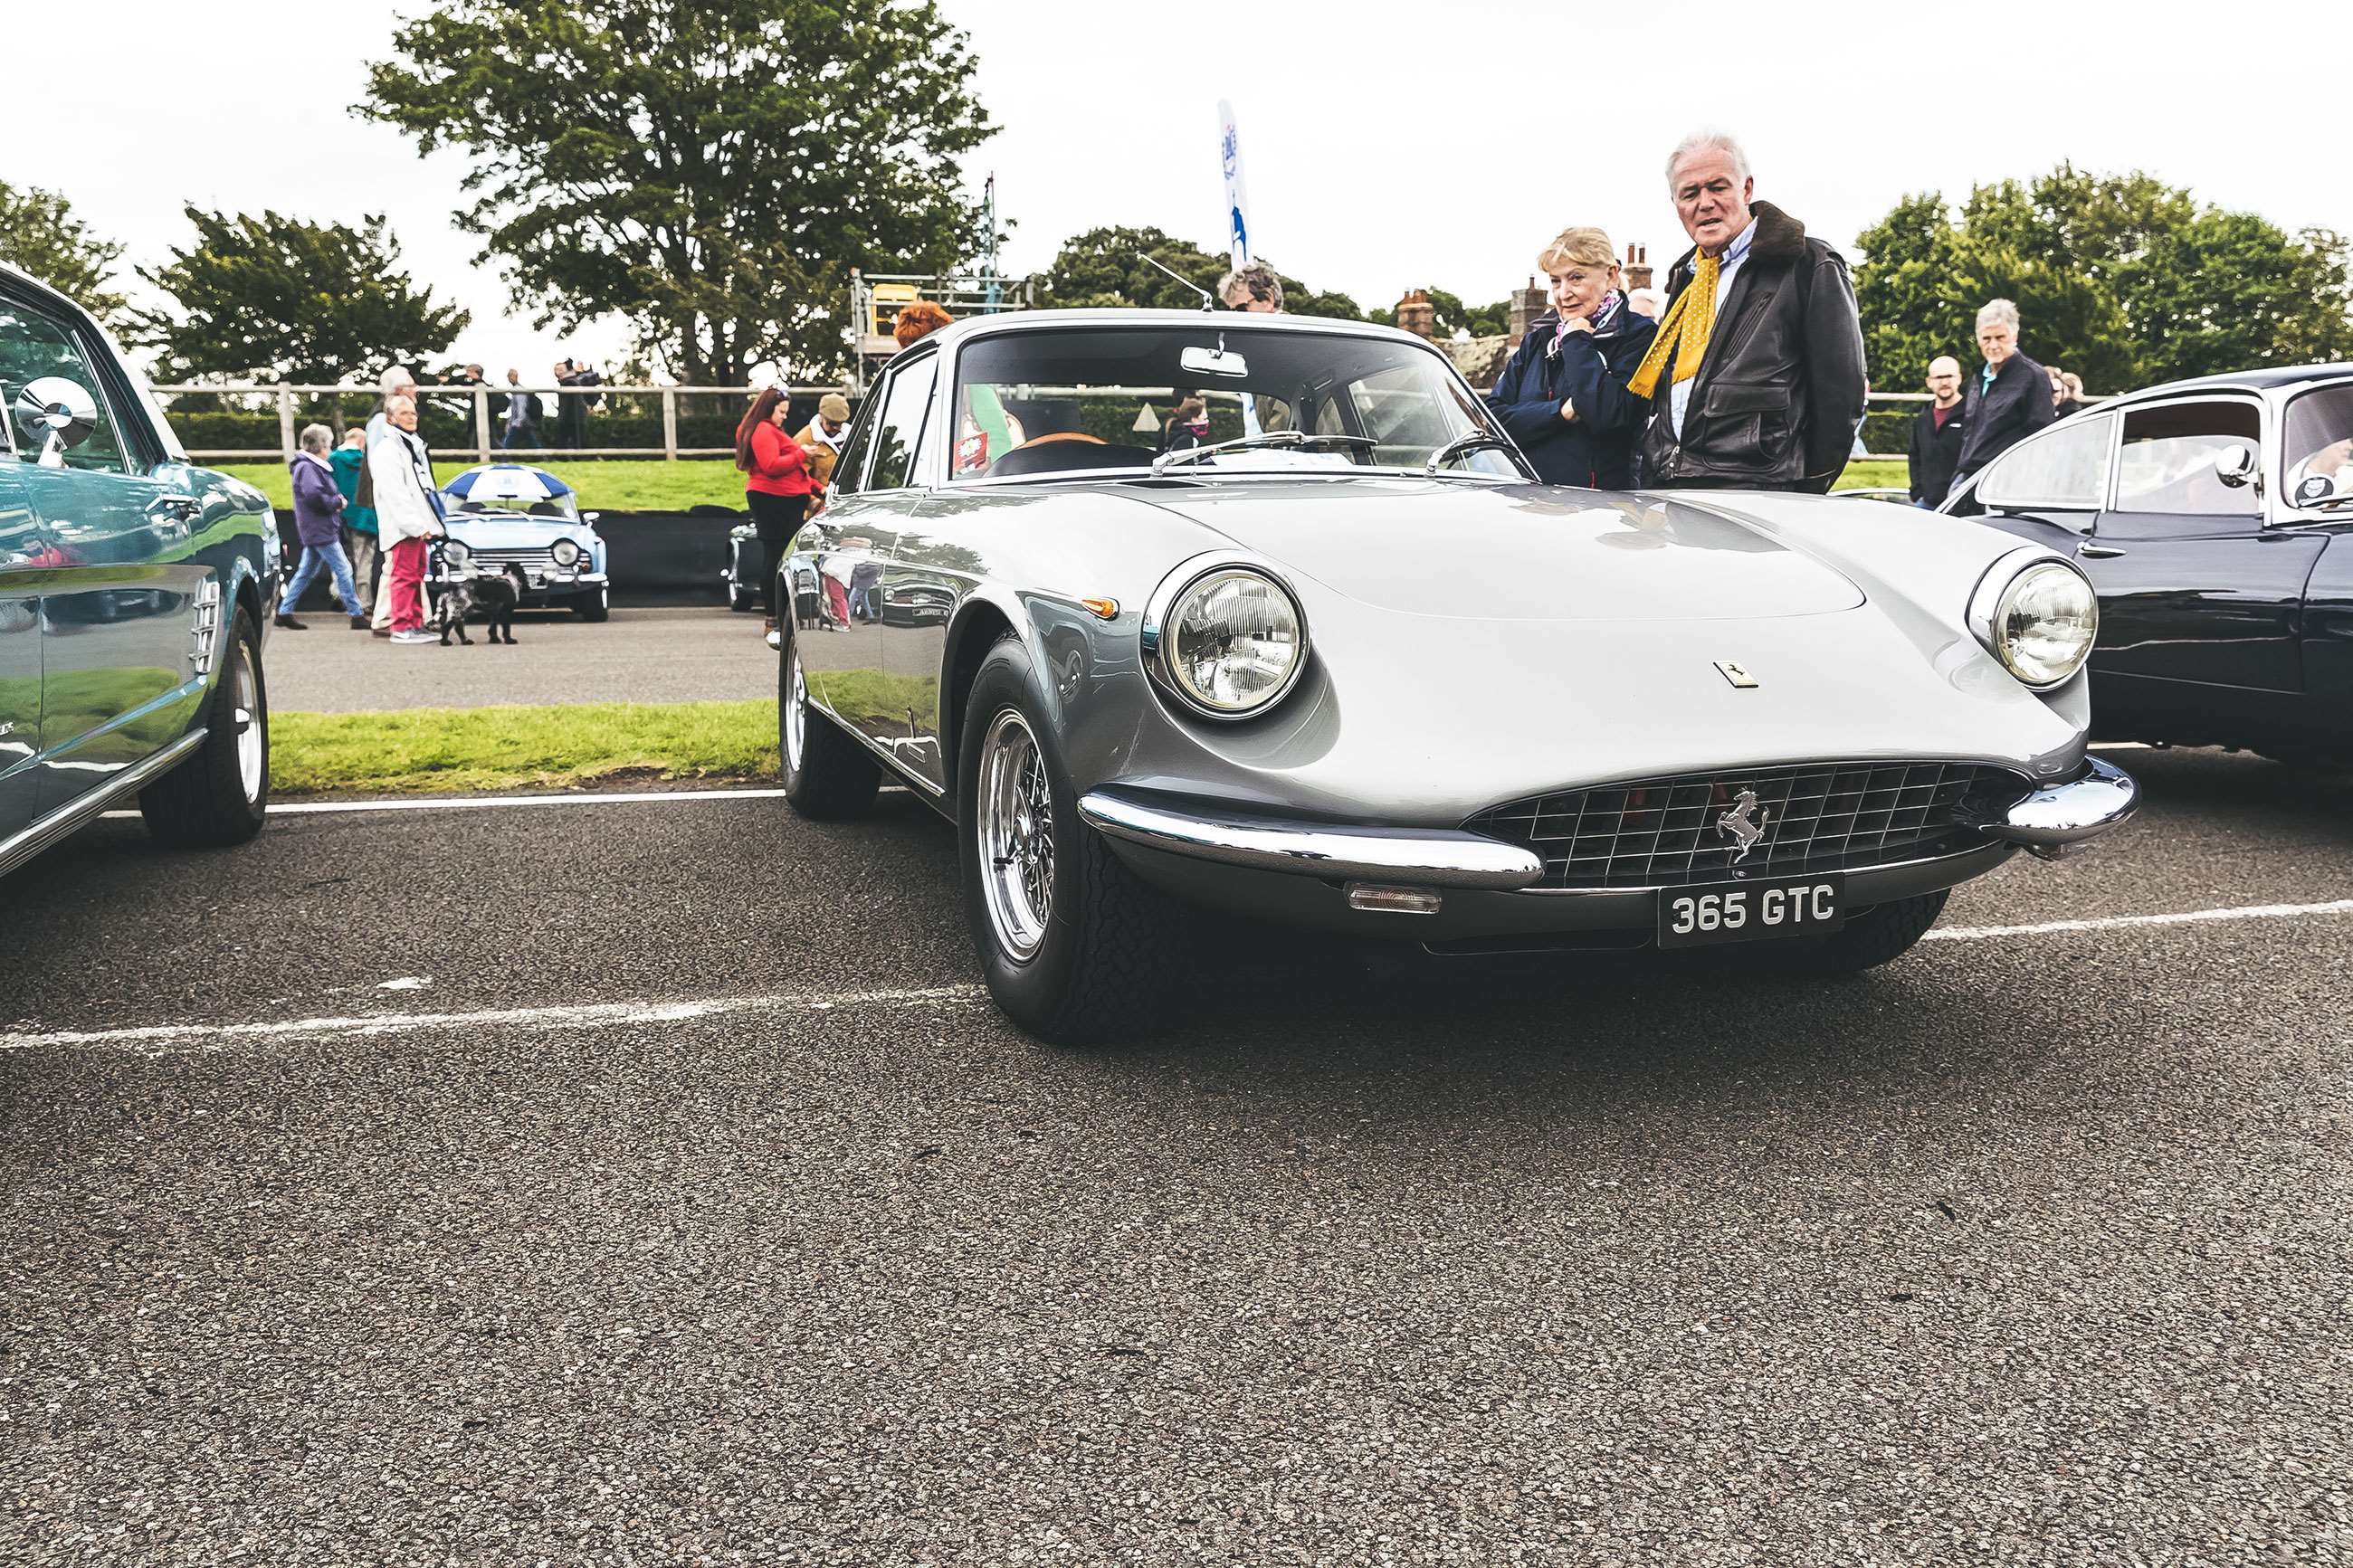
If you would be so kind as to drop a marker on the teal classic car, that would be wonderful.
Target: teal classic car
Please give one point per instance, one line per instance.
(135, 590)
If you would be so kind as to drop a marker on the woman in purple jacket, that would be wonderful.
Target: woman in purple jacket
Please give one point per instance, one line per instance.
(318, 508)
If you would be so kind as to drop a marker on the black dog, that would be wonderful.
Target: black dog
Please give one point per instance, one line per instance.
(493, 592)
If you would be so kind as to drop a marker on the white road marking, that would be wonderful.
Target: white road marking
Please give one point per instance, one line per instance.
(582, 1016)
(621, 1015)
(2118, 922)
(477, 801)
(408, 982)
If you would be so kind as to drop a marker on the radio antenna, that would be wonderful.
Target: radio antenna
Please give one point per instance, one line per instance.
(1207, 303)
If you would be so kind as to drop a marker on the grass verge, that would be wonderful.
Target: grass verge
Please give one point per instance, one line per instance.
(1875, 472)
(649, 484)
(420, 750)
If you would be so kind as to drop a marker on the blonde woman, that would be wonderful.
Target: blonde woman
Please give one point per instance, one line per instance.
(1563, 395)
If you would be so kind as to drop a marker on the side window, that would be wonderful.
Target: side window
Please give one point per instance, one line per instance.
(2066, 469)
(850, 470)
(2166, 463)
(35, 347)
(901, 425)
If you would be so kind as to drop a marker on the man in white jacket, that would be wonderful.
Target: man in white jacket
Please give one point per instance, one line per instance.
(406, 516)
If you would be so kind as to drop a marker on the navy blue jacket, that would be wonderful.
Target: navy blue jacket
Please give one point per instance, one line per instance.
(1588, 371)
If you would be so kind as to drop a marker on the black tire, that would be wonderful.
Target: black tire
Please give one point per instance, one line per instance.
(1110, 946)
(594, 606)
(207, 801)
(827, 774)
(1873, 937)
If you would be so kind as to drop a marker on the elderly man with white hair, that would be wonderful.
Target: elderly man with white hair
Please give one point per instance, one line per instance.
(1757, 375)
(2007, 400)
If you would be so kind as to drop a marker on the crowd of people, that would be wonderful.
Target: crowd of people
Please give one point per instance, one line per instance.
(516, 412)
(364, 512)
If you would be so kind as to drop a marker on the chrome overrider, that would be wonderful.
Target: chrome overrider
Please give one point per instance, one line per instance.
(2051, 821)
(2058, 820)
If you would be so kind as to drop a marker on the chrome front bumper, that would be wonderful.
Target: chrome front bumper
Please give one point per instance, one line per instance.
(1279, 869)
(1422, 857)
(2058, 820)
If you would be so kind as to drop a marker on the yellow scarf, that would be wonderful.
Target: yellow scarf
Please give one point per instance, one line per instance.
(1683, 334)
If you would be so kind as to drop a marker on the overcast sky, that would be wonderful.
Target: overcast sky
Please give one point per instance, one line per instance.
(1383, 145)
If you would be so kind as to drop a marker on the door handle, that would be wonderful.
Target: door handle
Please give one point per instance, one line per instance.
(2098, 552)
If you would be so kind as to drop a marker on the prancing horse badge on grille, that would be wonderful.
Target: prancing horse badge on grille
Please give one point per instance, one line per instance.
(1743, 824)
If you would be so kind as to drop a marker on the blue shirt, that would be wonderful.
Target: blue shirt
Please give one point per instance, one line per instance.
(1679, 395)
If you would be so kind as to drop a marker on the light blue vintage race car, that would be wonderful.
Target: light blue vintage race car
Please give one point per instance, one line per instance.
(512, 514)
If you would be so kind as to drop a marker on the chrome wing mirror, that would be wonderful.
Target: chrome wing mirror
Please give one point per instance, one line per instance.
(60, 412)
(2235, 464)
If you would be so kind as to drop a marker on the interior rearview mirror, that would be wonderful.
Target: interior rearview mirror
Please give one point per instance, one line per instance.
(58, 413)
(2235, 464)
(1213, 362)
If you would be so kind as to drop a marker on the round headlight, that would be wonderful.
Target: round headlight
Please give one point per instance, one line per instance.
(564, 553)
(1231, 642)
(2044, 622)
(456, 553)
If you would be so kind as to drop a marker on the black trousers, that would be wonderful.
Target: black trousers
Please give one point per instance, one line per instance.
(777, 518)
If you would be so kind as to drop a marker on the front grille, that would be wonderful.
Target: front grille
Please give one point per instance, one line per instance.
(1819, 816)
(529, 560)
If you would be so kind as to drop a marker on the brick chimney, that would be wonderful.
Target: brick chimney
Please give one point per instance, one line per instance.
(1417, 315)
(1527, 304)
(1638, 266)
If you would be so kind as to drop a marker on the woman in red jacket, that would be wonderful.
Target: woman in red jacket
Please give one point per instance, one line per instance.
(776, 484)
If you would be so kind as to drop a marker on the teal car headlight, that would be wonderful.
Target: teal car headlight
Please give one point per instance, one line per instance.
(565, 552)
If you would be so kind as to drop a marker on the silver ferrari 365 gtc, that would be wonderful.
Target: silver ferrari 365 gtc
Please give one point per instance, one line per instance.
(1320, 652)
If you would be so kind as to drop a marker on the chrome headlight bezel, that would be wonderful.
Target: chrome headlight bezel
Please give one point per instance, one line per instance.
(457, 555)
(1996, 594)
(1160, 611)
(555, 553)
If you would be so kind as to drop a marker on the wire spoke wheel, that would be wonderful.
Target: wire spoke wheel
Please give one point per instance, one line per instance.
(249, 732)
(1017, 836)
(796, 712)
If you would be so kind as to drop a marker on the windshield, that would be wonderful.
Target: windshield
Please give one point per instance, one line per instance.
(1088, 399)
(2318, 450)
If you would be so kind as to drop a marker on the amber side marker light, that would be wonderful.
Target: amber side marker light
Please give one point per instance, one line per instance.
(1384, 900)
(1102, 609)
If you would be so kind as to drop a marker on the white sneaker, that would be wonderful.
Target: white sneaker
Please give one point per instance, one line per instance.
(410, 639)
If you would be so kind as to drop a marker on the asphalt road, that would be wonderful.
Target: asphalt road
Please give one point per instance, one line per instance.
(639, 655)
(696, 1210)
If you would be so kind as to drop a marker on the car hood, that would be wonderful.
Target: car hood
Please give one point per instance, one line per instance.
(514, 529)
(1517, 553)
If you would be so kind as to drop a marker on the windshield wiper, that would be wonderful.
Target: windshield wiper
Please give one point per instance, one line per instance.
(1297, 439)
(1461, 444)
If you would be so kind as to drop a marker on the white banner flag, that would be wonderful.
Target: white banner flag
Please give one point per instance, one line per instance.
(1230, 154)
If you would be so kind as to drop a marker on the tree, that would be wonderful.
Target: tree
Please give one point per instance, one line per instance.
(1106, 266)
(2122, 279)
(40, 234)
(708, 169)
(277, 299)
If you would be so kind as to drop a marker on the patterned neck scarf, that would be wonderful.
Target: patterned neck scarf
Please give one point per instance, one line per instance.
(1683, 334)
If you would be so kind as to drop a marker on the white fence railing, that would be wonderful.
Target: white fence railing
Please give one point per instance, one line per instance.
(488, 434)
